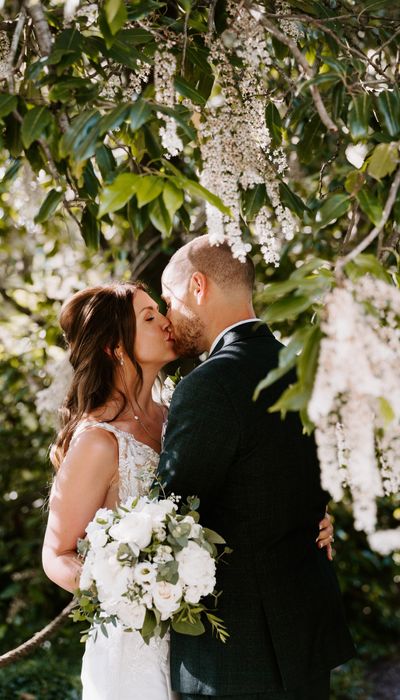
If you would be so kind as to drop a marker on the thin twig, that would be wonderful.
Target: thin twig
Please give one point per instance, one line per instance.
(185, 42)
(376, 230)
(14, 48)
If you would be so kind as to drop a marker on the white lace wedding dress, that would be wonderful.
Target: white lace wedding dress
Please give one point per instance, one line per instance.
(121, 666)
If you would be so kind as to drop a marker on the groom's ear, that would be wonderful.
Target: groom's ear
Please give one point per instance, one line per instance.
(198, 287)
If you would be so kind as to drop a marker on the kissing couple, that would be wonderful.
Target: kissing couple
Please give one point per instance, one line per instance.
(257, 478)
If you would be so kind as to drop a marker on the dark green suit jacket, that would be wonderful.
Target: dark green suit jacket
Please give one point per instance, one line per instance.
(258, 481)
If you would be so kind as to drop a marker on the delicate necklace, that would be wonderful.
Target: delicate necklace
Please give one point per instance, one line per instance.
(144, 426)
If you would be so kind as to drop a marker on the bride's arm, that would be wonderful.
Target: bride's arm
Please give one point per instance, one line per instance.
(79, 490)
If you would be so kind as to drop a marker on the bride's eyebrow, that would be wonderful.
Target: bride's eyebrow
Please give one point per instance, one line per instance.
(149, 308)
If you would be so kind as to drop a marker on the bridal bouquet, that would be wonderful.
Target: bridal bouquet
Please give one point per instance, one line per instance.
(147, 566)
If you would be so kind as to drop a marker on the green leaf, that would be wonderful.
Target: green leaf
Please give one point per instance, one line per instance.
(173, 198)
(184, 627)
(159, 217)
(90, 228)
(370, 205)
(386, 410)
(308, 360)
(149, 625)
(388, 107)
(49, 206)
(115, 13)
(148, 188)
(213, 536)
(7, 104)
(274, 124)
(181, 115)
(293, 399)
(113, 119)
(384, 160)
(116, 195)
(197, 190)
(34, 124)
(292, 200)
(333, 208)
(140, 114)
(359, 115)
(80, 141)
(287, 308)
(186, 90)
(365, 263)
(106, 161)
(253, 200)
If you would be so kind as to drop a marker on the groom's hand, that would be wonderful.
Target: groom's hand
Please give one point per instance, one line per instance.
(325, 537)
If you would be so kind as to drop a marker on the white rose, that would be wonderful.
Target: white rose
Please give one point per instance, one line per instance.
(195, 528)
(144, 573)
(112, 579)
(134, 529)
(96, 535)
(166, 597)
(196, 567)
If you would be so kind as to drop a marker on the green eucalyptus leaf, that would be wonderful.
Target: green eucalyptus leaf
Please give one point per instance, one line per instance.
(118, 193)
(193, 629)
(383, 160)
(49, 206)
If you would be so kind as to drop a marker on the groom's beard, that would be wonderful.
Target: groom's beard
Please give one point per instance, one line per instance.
(188, 335)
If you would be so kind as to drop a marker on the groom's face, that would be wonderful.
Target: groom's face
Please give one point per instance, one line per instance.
(187, 327)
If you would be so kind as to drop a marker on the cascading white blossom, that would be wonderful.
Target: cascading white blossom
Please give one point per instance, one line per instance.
(235, 141)
(164, 72)
(355, 403)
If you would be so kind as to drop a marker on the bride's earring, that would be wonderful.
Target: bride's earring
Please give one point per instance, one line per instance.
(121, 360)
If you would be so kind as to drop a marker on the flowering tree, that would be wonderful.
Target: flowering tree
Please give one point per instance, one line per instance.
(276, 124)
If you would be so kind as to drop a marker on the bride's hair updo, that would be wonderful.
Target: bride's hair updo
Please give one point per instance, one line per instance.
(95, 321)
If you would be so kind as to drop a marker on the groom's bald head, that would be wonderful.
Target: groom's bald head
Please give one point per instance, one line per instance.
(214, 261)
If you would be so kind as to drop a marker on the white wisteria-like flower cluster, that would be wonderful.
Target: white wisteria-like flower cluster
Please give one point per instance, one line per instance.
(164, 72)
(235, 141)
(145, 556)
(357, 429)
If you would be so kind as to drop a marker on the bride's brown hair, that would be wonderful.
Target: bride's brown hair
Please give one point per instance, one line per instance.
(95, 320)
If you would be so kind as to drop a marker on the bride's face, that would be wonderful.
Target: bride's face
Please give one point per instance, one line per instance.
(153, 343)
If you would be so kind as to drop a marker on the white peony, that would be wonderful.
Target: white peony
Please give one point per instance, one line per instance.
(196, 568)
(166, 597)
(158, 510)
(193, 594)
(130, 613)
(134, 529)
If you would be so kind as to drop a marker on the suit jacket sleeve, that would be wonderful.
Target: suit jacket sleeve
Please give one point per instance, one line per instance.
(201, 440)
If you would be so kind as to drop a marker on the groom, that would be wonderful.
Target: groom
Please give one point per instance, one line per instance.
(258, 481)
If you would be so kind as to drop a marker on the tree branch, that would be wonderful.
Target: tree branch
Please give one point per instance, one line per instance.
(42, 31)
(376, 230)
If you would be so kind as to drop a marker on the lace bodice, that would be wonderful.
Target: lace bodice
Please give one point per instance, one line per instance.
(137, 462)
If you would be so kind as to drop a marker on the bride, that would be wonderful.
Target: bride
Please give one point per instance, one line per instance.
(107, 450)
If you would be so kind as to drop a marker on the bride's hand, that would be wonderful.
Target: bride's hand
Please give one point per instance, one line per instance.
(325, 537)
